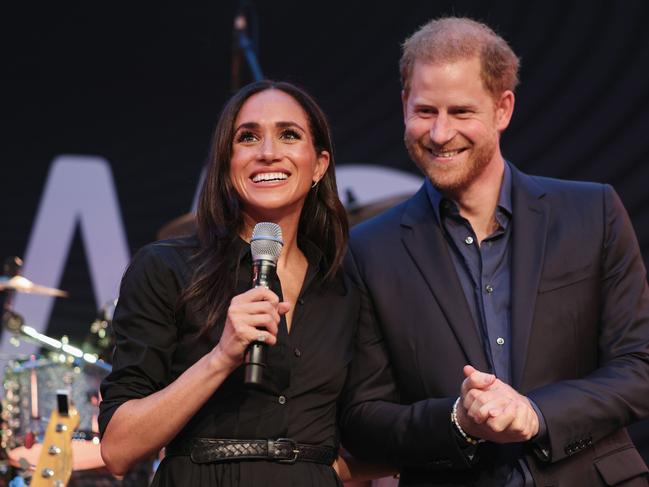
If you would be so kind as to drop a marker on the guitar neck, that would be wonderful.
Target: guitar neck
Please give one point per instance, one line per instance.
(54, 466)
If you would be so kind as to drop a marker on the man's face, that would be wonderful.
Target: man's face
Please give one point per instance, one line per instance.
(452, 124)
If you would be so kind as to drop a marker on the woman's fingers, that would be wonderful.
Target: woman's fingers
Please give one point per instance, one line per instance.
(253, 316)
(284, 307)
(257, 294)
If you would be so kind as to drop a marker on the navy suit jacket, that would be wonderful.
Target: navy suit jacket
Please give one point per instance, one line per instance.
(580, 338)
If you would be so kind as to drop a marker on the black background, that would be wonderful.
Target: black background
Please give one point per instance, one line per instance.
(142, 83)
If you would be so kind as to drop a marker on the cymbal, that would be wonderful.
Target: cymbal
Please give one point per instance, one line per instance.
(358, 214)
(23, 285)
(178, 227)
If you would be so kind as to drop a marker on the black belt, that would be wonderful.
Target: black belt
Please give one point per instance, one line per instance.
(282, 450)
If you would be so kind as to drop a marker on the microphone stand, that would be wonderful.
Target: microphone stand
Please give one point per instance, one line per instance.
(243, 44)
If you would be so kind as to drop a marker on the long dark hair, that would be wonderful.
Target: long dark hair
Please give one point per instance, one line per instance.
(219, 219)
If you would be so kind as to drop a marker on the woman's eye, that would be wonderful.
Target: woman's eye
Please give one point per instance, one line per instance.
(246, 137)
(290, 135)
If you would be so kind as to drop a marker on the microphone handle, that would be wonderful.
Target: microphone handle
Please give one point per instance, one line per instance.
(255, 358)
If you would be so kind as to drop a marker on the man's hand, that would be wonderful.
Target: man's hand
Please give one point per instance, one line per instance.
(494, 411)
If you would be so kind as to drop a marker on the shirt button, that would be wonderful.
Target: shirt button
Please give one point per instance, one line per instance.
(500, 341)
(281, 399)
(300, 301)
(297, 352)
(468, 240)
(489, 288)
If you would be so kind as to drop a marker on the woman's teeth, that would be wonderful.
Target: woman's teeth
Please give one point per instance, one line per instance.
(269, 176)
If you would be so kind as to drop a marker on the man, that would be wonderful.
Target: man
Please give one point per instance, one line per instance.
(504, 335)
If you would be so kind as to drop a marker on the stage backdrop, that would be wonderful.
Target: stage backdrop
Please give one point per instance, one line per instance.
(107, 112)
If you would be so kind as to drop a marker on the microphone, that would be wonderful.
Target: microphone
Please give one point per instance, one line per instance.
(265, 246)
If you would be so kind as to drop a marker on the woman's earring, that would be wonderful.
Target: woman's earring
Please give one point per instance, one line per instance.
(315, 183)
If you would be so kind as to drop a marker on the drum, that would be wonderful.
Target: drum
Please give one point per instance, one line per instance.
(30, 397)
(100, 340)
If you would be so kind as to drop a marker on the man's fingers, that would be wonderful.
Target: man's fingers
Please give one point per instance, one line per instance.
(468, 370)
(496, 412)
(488, 404)
(526, 424)
(504, 419)
(483, 404)
(475, 379)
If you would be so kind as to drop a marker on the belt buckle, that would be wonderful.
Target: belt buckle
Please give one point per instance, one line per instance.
(292, 447)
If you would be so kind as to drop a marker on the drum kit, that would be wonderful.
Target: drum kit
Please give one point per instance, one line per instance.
(33, 385)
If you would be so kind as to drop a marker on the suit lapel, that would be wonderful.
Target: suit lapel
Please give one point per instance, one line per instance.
(530, 224)
(425, 243)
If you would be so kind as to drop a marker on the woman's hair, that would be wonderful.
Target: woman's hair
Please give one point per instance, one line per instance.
(219, 219)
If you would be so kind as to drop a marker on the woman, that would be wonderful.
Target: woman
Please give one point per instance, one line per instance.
(186, 314)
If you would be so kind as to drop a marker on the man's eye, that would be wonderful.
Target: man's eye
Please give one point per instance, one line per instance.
(462, 112)
(290, 135)
(246, 137)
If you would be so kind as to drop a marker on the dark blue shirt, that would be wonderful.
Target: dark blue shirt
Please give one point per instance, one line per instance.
(484, 271)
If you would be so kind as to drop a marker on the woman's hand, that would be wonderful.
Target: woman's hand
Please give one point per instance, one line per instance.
(253, 315)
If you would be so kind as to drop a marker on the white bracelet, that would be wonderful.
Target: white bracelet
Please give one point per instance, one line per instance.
(467, 437)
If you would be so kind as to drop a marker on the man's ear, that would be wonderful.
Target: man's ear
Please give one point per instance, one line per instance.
(504, 109)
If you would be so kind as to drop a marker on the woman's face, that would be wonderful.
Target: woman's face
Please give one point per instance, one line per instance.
(274, 162)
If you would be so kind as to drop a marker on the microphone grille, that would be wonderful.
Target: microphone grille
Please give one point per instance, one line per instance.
(266, 242)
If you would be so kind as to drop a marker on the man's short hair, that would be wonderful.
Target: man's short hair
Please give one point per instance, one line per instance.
(451, 39)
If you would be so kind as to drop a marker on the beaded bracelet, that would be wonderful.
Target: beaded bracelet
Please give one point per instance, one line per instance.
(467, 437)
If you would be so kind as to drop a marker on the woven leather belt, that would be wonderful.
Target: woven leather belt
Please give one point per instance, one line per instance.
(282, 450)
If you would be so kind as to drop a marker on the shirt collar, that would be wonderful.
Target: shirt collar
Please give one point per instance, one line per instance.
(437, 199)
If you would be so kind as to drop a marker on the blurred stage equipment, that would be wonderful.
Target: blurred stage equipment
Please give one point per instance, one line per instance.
(54, 466)
(11, 282)
(178, 227)
(30, 388)
(31, 384)
(23, 285)
(14, 322)
(359, 213)
(101, 339)
(245, 45)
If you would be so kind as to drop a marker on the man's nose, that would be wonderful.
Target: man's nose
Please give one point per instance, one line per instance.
(442, 130)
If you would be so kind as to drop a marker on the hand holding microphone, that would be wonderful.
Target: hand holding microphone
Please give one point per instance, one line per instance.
(265, 246)
(253, 317)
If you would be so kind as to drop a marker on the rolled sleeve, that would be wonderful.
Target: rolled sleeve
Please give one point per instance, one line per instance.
(145, 332)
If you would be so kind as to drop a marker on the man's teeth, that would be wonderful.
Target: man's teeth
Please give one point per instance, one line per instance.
(449, 153)
(269, 176)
